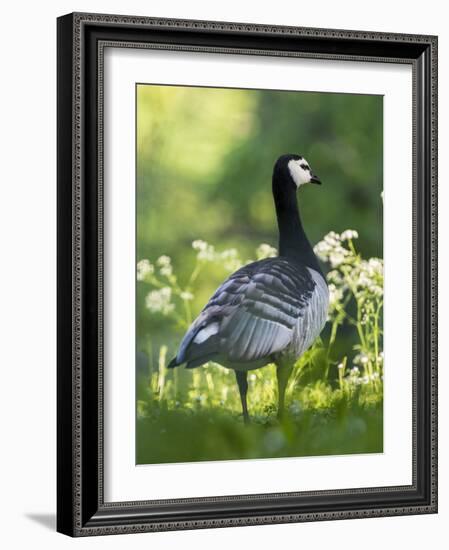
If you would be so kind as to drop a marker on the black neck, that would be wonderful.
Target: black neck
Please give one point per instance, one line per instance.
(293, 242)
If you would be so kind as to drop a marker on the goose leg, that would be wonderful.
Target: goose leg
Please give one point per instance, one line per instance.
(283, 371)
(243, 389)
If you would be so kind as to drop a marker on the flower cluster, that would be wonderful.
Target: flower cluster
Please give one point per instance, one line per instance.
(165, 267)
(368, 274)
(168, 293)
(230, 259)
(355, 298)
(265, 251)
(349, 234)
(357, 377)
(364, 278)
(144, 269)
(332, 250)
(206, 252)
(147, 272)
(360, 282)
(159, 301)
(335, 296)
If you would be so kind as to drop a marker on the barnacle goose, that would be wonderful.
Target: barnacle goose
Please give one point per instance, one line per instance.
(271, 310)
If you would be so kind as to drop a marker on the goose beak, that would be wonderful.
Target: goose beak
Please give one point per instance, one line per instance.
(314, 179)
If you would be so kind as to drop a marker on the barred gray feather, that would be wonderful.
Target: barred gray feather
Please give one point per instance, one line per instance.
(266, 308)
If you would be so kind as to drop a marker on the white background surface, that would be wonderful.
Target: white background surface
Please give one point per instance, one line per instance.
(123, 480)
(28, 322)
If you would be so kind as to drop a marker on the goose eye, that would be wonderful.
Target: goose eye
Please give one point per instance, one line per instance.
(305, 167)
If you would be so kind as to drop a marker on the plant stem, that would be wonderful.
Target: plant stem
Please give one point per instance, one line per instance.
(162, 370)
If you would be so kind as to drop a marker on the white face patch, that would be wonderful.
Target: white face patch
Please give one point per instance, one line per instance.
(300, 171)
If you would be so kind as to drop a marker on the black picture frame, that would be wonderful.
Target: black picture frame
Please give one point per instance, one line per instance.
(81, 509)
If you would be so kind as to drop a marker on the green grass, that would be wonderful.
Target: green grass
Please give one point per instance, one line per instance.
(202, 420)
(334, 395)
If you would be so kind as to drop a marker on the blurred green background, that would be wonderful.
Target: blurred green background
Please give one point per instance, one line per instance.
(204, 163)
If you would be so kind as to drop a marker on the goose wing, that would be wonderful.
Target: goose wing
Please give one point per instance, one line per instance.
(251, 316)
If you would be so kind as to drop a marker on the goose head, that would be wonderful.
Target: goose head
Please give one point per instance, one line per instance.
(294, 170)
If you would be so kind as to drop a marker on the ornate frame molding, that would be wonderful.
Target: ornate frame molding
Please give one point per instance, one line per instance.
(81, 41)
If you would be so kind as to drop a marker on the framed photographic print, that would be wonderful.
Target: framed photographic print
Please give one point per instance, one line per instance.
(247, 282)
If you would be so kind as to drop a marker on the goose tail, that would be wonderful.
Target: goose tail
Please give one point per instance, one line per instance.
(173, 363)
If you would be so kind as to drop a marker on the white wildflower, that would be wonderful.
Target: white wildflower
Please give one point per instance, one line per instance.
(266, 251)
(349, 234)
(332, 239)
(376, 290)
(206, 253)
(337, 257)
(331, 250)
(335, 277)
(362, 279)
(166, 271)
(144, 268)
(353, 378)
(159, 301)
(322, 250)
(368, 275)
(199, 245)
(187, 296)
(335, 295)
(340, 366)
(375, 267)
(163, 261)
(233, 264)
(229, 254)
(230, 258)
